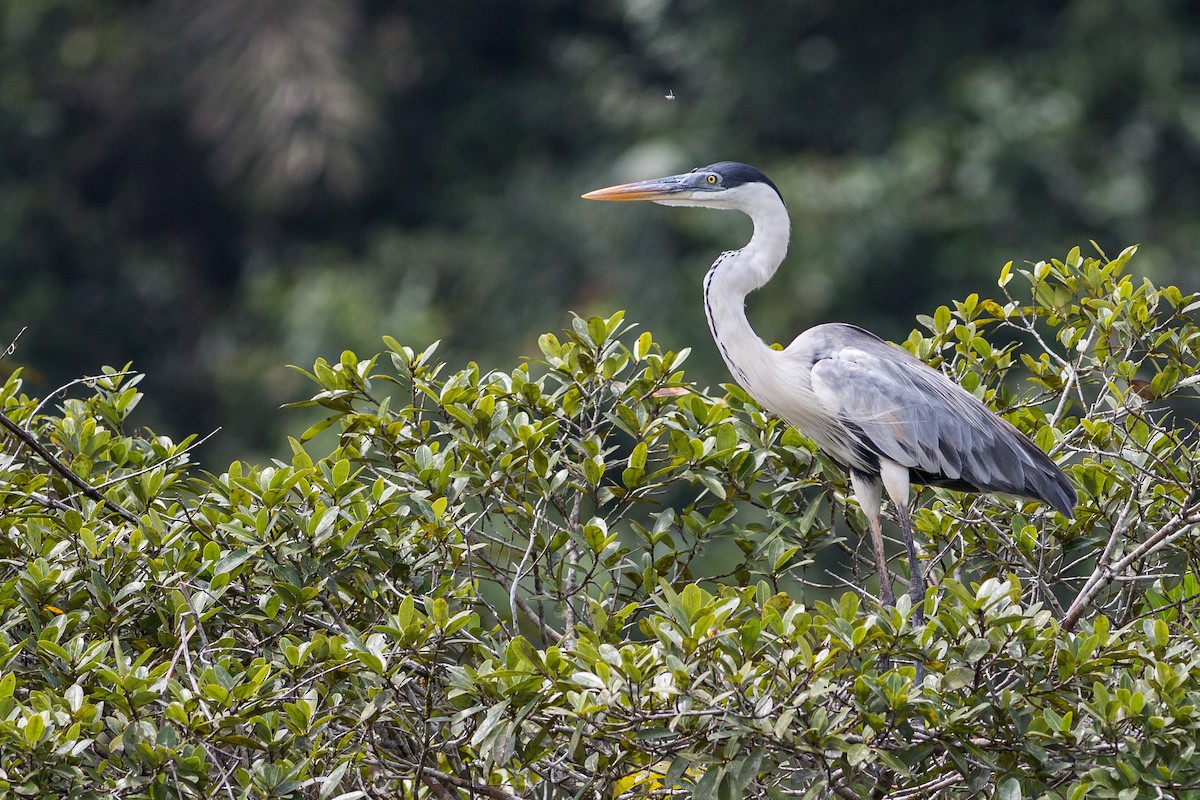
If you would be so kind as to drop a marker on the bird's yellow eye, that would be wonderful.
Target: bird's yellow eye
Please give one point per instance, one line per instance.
(712, 180)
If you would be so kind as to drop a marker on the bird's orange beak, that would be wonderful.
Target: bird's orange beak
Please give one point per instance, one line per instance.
(655, 189)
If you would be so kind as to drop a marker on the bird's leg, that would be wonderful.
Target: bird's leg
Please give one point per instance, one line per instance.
(866, 489)
(885, 576)
(916, 580)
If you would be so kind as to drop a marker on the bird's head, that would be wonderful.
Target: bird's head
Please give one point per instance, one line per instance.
(726, 184)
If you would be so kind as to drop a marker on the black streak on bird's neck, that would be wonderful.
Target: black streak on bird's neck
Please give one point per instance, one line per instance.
(710, 313)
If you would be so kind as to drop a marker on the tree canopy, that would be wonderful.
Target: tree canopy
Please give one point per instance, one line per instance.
(516, 564)
(587, 576)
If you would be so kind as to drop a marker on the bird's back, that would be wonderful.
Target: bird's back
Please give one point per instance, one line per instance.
(884, 403)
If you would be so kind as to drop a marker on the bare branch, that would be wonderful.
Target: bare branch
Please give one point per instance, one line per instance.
(569, 579)
(62, 469)
(1104, 574)
(12, 346)
(87, 380)
(154, 466)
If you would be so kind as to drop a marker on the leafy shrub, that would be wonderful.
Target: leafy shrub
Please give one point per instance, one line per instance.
(587, 577)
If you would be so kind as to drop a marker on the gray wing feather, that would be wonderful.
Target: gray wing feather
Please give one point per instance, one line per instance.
(903, 410)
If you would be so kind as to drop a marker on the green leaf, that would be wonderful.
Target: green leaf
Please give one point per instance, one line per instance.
(1009, 789)
(942, 320)
(551, 349)
(232, 560)
(637, 459)
(1005, 274)
(597, 330)
(706, 788)
(642, 347)
(35, 726)
(313, 430)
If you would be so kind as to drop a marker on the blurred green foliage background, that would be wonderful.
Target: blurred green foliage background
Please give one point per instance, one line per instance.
(214, 190)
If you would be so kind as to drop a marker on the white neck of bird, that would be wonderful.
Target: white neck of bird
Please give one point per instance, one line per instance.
(737, 273)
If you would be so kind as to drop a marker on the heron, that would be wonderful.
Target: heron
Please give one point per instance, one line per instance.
(884, 416)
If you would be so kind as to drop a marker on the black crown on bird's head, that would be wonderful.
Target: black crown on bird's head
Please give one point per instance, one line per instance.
(735, 173)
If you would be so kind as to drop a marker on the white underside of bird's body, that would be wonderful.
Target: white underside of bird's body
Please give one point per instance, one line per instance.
(885, 416)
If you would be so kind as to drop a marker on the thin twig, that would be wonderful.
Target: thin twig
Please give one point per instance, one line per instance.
(494, 792)
(516, 581)
(88, 380)
(569, 579)
(1118, 530)
(183, 643)
(187, 598)
(51, 503)
(187, 661)
(1104, 574)
(436, 787)
(546, 629)
(12, 346)
(926, 789)
(152, 467)
(62, 469)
